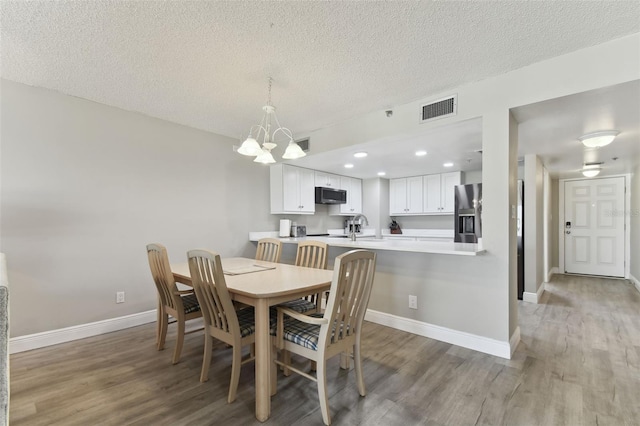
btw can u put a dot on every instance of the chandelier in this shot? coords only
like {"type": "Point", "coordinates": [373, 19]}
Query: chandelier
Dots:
{"type": "Point", "coordinates": [262, 151]}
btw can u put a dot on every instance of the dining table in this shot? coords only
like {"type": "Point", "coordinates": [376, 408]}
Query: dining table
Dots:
{"type": "Point", "coordinates": [263, 284]}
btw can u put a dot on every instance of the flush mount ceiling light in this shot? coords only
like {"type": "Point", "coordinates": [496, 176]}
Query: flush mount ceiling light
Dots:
{"type": "Point", "coordinates": [348, 166]}
{"type": "Point", "coordinates": [591, 172]}
{"type": "Point", "coordinates": [360, 154]}
{"type": "Point", "coordinates": [381, 173]}
{"type": "Point", "coordinates": [262, 152]}
{"type": "Point", "coordinates": [598, 139]}
{"type": "Point", "coordinates": [448, 164]}
{"type": "Point", "coordinates": [591, 169]}
{"type": "Point", "coordinates": [421, 153]}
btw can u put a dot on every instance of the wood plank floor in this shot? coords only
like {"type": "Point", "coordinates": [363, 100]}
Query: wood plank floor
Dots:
{"type": "Point", "coordinates": [578, 364]}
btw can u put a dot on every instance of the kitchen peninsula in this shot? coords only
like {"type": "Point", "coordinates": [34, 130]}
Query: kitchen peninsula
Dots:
{"type": "Point", "coordinates": [452, 305]}
{"type": "Point", "coordinates": [433, 247]}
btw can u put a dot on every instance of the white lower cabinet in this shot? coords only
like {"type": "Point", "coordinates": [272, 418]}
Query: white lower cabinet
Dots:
{"type": "Point", "coordinates": [292, 190]}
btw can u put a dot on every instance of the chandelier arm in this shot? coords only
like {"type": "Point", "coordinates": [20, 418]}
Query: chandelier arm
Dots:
{"type": "Point", "coordinates": [284, 130]}
{"type": "Point", "coordinates": [259, 127]}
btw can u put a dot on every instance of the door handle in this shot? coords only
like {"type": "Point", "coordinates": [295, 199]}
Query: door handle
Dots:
{"type": "Point", "coordinates": [568, 232]}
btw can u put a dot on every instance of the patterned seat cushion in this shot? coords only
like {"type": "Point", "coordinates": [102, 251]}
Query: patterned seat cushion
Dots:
{"type": "Point", "coordinates": [299, 305]}
{"type": "Point", "coordinates": [247, 321]}
{"type": "Point", "coordinates": [190, 303]}
{"type": "Point", "coordinates": [302, 333]}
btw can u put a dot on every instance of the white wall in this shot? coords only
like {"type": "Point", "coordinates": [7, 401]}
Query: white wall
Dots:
{"type": "Point", "coordinates": [555, 225]}
{"type": "Point", "coordinates": [85, 187]}
{"type": "Point", "coordinates": [534, 274]}
{"type": "Point", "coordinates": [635, 224]}
{"type": "Point", "coordinates": [547, 218]}
{"type": "Point", "coordinates": [375, 203]}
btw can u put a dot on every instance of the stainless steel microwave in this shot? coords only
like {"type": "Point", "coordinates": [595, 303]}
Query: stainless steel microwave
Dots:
{"type": "Point", "coordinates": [330, 195]}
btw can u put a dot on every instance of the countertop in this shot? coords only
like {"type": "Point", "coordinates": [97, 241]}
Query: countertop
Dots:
{"type": "Point", "coordinates": [434, 247]}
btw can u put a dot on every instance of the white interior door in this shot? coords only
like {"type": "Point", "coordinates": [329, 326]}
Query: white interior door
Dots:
{"type": "Point", "coordinates": [594, 227]}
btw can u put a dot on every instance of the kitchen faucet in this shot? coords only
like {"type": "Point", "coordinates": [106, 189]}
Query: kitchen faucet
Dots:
{"type": "Point", "coordinates": [352, 231]}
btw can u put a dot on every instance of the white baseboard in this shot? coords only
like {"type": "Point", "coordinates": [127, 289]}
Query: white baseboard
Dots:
{"type": "Point", "coordinates": [534, 297]}
{"type": "Point", "coordinates": [551, 273]}
{"type": "Point", "coordinates": [635, 281]}
{"type": "Point", "coordinates": [76, 332]}
{"type": "Point", "coordinates": [458, 338]}
{"type": "Point", "coordinates": [515, 339]}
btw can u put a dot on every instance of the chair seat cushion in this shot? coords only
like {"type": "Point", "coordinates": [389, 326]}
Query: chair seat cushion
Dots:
{"type": "Point", "coordinates": [190, 303]}
{"type": "Point", "coordinates": [299, 305]}
{"type": "Point", "coordinates": [247, 322]}
{"type": "Point", "coordinates": [301, 333]}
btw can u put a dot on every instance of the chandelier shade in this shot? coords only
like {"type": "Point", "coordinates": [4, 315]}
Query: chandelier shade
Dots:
{"type": "Point", "coordinates": [262, 139]}
{"type": "Point", "coordinates": [250, 147]}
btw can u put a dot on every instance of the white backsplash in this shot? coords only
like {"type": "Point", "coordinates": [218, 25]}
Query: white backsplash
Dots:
{"type": "Point", "coordinates": [316, 224]}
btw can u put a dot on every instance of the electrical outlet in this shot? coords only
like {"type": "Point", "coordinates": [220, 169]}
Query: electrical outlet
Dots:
{"type": "Point", "coordinates": [413, 302]}
{"type": "Point", "coordinates": [120, 297]}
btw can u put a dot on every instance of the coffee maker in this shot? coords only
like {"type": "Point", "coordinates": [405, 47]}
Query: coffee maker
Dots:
{"type": "Point", "coordinates": [357, 226]}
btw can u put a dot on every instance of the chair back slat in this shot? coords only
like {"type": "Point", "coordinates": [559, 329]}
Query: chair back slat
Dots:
{"type": "Point", "coordinates": [269, 250]}
{"type": "Point", "coordinates": [349, 295]}
{"type": "Point", "coordinates": [312, 254]}
{"type": "Point", "coordinates": [162, 275]}
{"type": "Point", "coordinates": [211, 290]}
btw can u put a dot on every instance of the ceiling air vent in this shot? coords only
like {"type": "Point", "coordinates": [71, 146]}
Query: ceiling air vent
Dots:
{"type": "Point", "coordinates": [304, 144]}
{"type": "Point", "coordinates": [440, 108]}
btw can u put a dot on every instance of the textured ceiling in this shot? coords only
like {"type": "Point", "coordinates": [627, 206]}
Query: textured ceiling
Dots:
{"type": "Point", "coordinates": [205, 64]}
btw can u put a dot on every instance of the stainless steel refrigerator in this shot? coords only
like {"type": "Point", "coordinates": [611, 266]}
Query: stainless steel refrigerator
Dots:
{"type": "Point", "coordinates": [468, 213]}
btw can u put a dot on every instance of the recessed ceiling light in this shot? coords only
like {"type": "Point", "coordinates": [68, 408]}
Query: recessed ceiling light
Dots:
{"type": "Point", "coordinates": [360, 154]}
{"type": "Point", "coordinates": [381, 173]}
{"type": "Point", "coordinates": [421, 153]}
{"type": "Point", "coordinates": [348, 166]}
{"type": "Point", "coordinates": [448, 164]}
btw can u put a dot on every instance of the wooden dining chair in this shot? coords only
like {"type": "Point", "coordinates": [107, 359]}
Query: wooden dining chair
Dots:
{"type": "Point", "coordinates": [180, 304]}
{"type": "Point", "coordinates": [221, 320]}
{"type": "Point", "coordinates": [310, 254]}
{"type": "Point", "coordinates": [269, 250]}
{"type": "Point", "coordinates": [319, 337]}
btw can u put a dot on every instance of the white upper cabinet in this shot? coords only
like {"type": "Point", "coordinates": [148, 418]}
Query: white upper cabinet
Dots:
{"type": "Point", "coordinates": [353, 205]}
{"type": "Point", "coordinates": [439, 192]}
{"type": "Point", "coordinates": [292, 190]}
{"type": "Point", "coordinates": [405, 196]}
{"type": "Point", "coordinates": [327, 180]}
{"type": "Point", "coordinates": [423, 195]}
{"type": "Point", "coordinates": [449, 182]}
